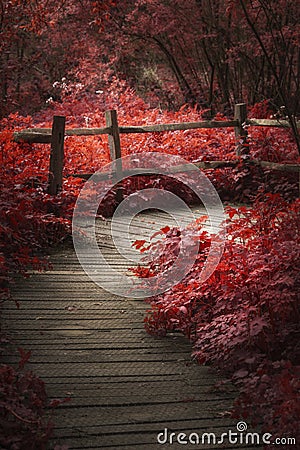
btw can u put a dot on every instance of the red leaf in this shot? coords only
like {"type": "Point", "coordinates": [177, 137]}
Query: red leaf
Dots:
{"type": "Point", "coordinates": [139, 243]}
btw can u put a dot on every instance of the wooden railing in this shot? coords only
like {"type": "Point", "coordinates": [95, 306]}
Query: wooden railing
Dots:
{"type": "Point", "coordinates": [55, 137]}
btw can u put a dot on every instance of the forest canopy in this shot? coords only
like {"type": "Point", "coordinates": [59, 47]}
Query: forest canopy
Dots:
{"type": "Point", "coordinates": [207, 53]}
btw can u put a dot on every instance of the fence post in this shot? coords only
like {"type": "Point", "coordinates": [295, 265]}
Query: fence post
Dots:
{"type": "Point", "coordinates": [240, 114]}
{"type": "Point", "coordinates": [57, 155]}
{"type": "Point", "coordinates": [115, 147]}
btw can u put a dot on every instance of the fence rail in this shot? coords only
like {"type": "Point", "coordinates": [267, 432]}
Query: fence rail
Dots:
{"type": "Point", "coordinates": [55, 137]}
{"type": "Point", "coordinates": [43, 135]}
{"type": "Point", "coordinates": [280, 123]}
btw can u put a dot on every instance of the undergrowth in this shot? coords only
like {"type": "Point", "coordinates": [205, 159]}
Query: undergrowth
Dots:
{"type": "Point", "coordinates": [245, 318]}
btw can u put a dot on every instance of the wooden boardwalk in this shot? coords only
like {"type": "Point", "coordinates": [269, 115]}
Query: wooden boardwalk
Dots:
{"type": "Point", "coordinates": [125, 385]}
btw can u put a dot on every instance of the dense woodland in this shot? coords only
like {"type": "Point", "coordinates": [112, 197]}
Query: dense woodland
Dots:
{"type": "Point", "coordinates": [163, 61]}
{"type": "Point", "coordinates": [207, 53]}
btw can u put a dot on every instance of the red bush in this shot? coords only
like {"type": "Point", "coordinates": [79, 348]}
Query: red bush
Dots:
{"type": "Point", "coordinates": [245, 317]}
{"type": "Point", "coordinates": [23, 402]}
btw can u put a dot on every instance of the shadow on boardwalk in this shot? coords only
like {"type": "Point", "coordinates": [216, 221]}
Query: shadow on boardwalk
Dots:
{"type": "Point", "coordinates": [125, 385]}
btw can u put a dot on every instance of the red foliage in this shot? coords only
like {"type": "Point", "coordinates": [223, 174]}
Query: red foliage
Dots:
{"type": "Point", "coordinates": [31, 220]}
{"type": "Point", "coordinates": [88, 154]}
{"type": "Point", "coordinates": [245, 317]}
{"type": "Point", "coordinates": [23, 402]}
{"type": "Point", "coordinates": [40, 43]}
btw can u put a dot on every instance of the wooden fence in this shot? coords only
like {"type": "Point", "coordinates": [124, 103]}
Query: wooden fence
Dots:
{"type": "Point", "coordinates": [55, 137]}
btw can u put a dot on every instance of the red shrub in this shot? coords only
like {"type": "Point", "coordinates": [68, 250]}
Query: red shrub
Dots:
{"type": "Point", "coordinates": [245, 317]}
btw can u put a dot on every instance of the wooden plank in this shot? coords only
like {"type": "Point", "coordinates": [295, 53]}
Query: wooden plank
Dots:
{"type": "Point", "coordinates": [75, 344]}
{"type": "Point", "coordinates": [113, 354]}
{"type": "Point", "coordinates": [74, 324]}
{"type": "Point", "coordinates": [131, 370]}
{"type": "Point", "coordinates": [88, 131]}
{"type": "Point", "coordinates": [82, 300]}
{"type": "Point", "coordinates": [178, 126]}
{"type": "Point", "coordinates": [116, 391]}
{"type": "Point", "coordinates": [95, 443]}
{"type": "Point", "coordinates": [32, 137]}
{"type": "Point", "coordinates": [38, 130]}
{"type": "Point", "coordinates": [79, 313]}
{"type": "Point", "coordinates": [278, 123]}
{"type": "Point", "coordinates": [96, 356]}
{"type": "Point", "coordinates": [201, 423]}
{"type": "Point", "coordinates": [59, 341]}
{"type": "Point", "coordinates": [283, 167]}
{"type": "Point", "coordinates": [94, 400]}
{"type": "Point", "coordinates": [97, 400]}
{"type": "Point", "coordinates": [146, 435]}
{"type": "Point", "coordinates": [140, 413]}
{"type": "Point", "coordinates": [132, 399]}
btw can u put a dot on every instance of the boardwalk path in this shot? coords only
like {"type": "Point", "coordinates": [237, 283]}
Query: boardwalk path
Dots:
{"type": "Point", "coordinates": [125, 385]}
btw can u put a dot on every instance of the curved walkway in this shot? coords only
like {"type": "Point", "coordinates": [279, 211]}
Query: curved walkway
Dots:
{"type": "Point", "coordinates": [126, 386]}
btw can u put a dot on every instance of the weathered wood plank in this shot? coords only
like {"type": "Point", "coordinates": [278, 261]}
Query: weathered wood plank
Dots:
{"type": "Point", "coordinates": [279, 123]}
{"type": "Point", "coordinates": [284, 167]}
{"type": "Point", "coordinates": [145, 388]}
{"type": "Point", "coordinates": [153, 426]}
{"type": "Point", "coordinates": [32, 137]}
{"type": "Point", "coordinates": [178, 126]}
{"type": "Point", "coordinates": [88, 131]}
{"type": "Point", "coordinates": [113, 369]}
{"type": "Point", "coordinates": [141, 413]}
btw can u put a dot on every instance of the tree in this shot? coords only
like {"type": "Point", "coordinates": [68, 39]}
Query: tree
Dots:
{"type": "Point", "coordinates": [280, 46]}
{"type": "Point", "coordinates": [41, 41]}
{"type": "Point", "coordinates": [207, 53]}
{"type": "Point", "coordinates": [218, 52]}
